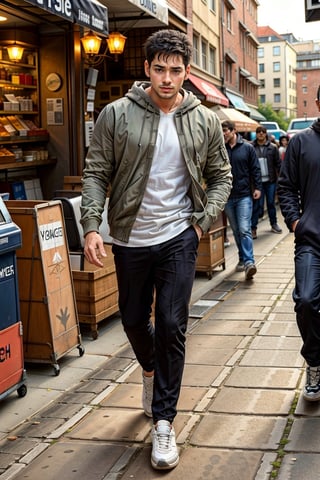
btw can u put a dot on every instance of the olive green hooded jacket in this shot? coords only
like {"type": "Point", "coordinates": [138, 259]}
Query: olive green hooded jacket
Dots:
{"type": "Point", "coordinates": [120, 157]}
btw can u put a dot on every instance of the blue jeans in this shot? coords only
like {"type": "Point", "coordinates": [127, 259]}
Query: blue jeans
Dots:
{"type": "Point", "coordinates": [269, 192]}
{"type": "Point", "coordinates": [164, 272]}
{"type": "Point", "coordinates": [239, 212]}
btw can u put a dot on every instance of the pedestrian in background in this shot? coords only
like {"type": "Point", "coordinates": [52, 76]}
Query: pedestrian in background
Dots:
{"type": "Point", "coordinates": [270, 163]}
{"type": "Point", "coordinates": [283, 143]}
{"type": "Point", "coordinates": [299, 196]}
{"type": "Point", "coordinates": [246, 186]}
{"type": "Point", "coordinates": [164, 156]}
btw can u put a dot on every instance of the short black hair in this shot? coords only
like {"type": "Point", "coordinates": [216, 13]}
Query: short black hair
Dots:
{"type": "Point", "coordinates": [228, 124]}
{"type": "Point", "coordinates": [168, 42]}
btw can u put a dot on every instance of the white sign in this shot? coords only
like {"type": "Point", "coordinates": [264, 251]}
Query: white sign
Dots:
{"type": "Point", "coordinates": [51, 235]}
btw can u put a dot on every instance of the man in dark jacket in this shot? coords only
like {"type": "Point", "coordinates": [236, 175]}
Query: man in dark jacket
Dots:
{"type": "Point", "coordinates": [246, 177]}
{"type": "Point", "coordinates": [270, 163]}
{"type": "Point", "coordinates": [299, 196]}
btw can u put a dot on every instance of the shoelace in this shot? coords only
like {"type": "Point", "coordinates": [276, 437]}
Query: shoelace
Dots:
{"type": "Point", "coordinates": [163, 440]}
{"type": "Point", "coordinates": [313, 376]}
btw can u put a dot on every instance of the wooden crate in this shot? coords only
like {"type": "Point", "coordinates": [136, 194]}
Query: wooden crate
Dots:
{"type": "Point", "coordinates": [211, 252]}
{"type": "Point", "coordinates": [96, 292]}
{"type": "Point", "coordinates": [46, 295]}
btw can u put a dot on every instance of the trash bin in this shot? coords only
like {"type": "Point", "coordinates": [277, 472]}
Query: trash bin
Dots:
{"type": "Point", "coordinates": [47, 301]}
{"type": "Point", "coordinates": [12, 372]}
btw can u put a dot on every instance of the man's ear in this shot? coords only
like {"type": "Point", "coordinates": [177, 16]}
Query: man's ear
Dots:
{"type": "Point", "coordinates": [146, 68]}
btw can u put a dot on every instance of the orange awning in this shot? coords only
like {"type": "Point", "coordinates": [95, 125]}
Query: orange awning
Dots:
{"type": "Point", "coordinates": [210, 92]}
{"type": "Point", "coordinates": [241, 121]}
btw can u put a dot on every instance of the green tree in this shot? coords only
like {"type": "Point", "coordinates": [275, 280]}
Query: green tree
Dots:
{"type": "Point", "coordinates": [267, 111]}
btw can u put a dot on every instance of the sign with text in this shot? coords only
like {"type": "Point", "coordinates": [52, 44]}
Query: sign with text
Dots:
{"type": "Point", "coordinates": [312, 10]}
{"type": "Point", "coordinates": [88, 13]}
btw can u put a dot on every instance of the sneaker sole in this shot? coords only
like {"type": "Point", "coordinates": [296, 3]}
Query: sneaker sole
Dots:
{"type": "Point", "coordinates": [164, 465]}
{"type": "Point", "coordinates": [250, 274]}
{"type": "Point", "coordinates": [311, 397]}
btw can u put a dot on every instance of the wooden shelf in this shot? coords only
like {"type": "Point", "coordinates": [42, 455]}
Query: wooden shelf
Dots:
{"type": "Point", "coordinates": [23, 165]}
{"type": "Point", "coordinates": [28, 139]}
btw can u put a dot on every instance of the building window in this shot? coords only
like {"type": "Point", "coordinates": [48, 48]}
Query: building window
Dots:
{"type": "Point", "coordinates": [204, 55]}
{"type": "Point", "coordinates": [228, 19]}
{"type": "Point", "coordinates": [195, 54]}
{"type": "Point", "coordinates": [261, 52]}
{"type": "Point", "coordinates": [261, 67]}
{"type": "Point", "coordinates": [305, 103]}
{"type": "Point", "coordinates": [212, 60]}
{"type": "Point", "coordinates": [212, 5]}
{"type": "Point", "coordinates": [304, 89]}
{"type": "Point", "coordinates": [276, 66]}
{"type": "Point", "coordinates": [262, 83]}
{"type": "Point", "coordinates": [276, 82]}
{"type": "Point", "coordinates": [262, 98]}
{"type": "Point", "coordinates": [228, 72]}
{"type": "Point", "coordinates": [304, 76]}
{"type": "Point", "coordinates": [277, 98]}
{"type": "Point", "coordinates": [276, 51]}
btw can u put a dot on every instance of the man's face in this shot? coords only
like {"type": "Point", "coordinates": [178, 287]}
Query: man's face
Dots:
{"type": "Point", "coordinates": [261, 135]}
{"type": "Point", "coordinates": [228, 134]}
{"type": "Point", "coordinates": [167, 74]}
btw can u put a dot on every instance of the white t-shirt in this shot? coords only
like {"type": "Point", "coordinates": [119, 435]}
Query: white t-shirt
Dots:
{"type": "Point", "coordinates": [166, 209]}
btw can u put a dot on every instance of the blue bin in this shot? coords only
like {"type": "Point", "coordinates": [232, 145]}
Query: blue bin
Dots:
{"type": "Point", "coordinates": [10, 240]}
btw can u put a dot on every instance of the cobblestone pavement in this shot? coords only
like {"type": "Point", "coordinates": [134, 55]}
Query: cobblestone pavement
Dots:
{"type": "Point", "coordinates": [240, 413]}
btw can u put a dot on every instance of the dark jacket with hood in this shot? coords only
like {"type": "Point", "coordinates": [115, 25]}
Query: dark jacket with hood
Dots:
{"type": "Point", "coordinates": [245, 168]}
{"type": "Point", "coordinates": [299, 185]}
{"type": "Point", "coordinates": [271, 153]}
{"type": "Point", "coordinates": [121, 153]}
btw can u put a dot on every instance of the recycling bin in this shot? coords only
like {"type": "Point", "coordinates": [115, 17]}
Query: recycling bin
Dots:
{"type": "Point", "coordinates": [12, 372]}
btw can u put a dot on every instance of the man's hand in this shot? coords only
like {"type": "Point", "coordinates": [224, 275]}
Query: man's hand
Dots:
{"type": "Point", "coordinates": [198, 230]}
{"type": "Point", "coordinates": [94, 248]}
{"type": "Point", "coordinates": [256, 194]}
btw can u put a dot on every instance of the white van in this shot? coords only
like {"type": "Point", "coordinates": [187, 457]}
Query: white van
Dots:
{"type": "Point", "coordinates": [297, 124]}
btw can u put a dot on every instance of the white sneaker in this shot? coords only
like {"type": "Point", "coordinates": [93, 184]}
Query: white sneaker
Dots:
{"type": "Point", "coordinates": [147, 394]}
{"type": "Point", "coordinates": [164, 449]}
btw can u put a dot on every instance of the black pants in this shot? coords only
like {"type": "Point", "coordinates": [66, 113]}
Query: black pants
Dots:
{"type": "Point", "coordinates": [166, 271]}
{"type": "Point", "coordinates": [306, 296]}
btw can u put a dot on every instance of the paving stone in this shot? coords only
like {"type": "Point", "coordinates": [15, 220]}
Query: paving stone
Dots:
{"type": "Point", "coordinates": [200, 376]}
{"type": "Point", "coordinates": [263, 377]}
{"type": "Point", "coordinates": [67, 460]}
{"type": "Point", "coordinates": [282, 342]}
{"type": "Point", "coordinates": [304, 436]}
{"type": "Point", "coordinates": [238, 431]}
{"type": "Point", "coordinates": [199, 464]}
{"type": "Point", "coordinates": [77, 398]}
{"type": "Point", "coordinates": [252, 401]}
{"type": "Point", "coordinates": [235, 315]}
{"type": "Point", "coordinates": [19, 446]}
{"type": "Point", "coordinates": [190, 397]}
{"type": "Point", "coordinates": [271, 358]}
{"type": "Point", "coordinates": [117, 424]}
{"type": "Point", "coordinates": [288, 329]}
{"type": "Point", "coordinates": [213, 341]}
{"type": "Point", "coordinates": [299, 466]}
{"type": "Point", "coordinates": [124, 395]}
{"type": "Point", "coordinates": [305, 408]}
{"type": "Point", "coordinates": [61, 410]}
{"type": "Point", "coordinates": [7, 459]}
{"type": "Point", "coordinates": [226, 327]}
{"type": "Point", "coordinates": [208, 356]}
{"type": "Point", "coordinates": [94, 386]}
{"type": "Point", "coordinates": [38, 427]}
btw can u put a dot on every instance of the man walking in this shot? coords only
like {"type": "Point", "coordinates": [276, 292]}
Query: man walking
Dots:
{"type": "Point", "coordinates": [246, 179]}
{"type": "Point", "coordinates": [156, 147]}
{"type": "Point", "coordinates": [299, 197]}
{"type": "Point", "coordinates": [270, 163]}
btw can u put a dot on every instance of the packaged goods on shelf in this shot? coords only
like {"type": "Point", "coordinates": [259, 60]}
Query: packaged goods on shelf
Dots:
{"type": "Point", "coordinates": [19, 125]}
{"type": "Point", "coordinates": [3, 131]}
{"type": "Point", "coordinates": [6, 156]}
{"type": "Point", "coordinates": [8, 126]}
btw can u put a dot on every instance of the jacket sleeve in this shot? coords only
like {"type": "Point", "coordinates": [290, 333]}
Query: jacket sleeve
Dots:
{"type": "Point", "coordinates": [288, 186]}
{"type": "Point", "coordinates": [254, 166]}
{"type": "Point", "coordinates": [218, 179]}
{"type": "Point", "coordinates": [97, 173]}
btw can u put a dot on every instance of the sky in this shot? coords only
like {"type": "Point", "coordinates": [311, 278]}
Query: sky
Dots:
{"type": "Point", "coordinates": [287, 16]}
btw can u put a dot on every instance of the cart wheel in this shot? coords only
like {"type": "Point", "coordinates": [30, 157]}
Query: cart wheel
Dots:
{"type": "Point", "coordinates": [209, 275]}
{"type": "Point", "coordinates": [94, 334]}
{"type": "Point", "coordinates": [22, 391]}
{"type": "Point", "coordinates": [56, 369]}
{"type": "Point", "coordinates": [81, 350]}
